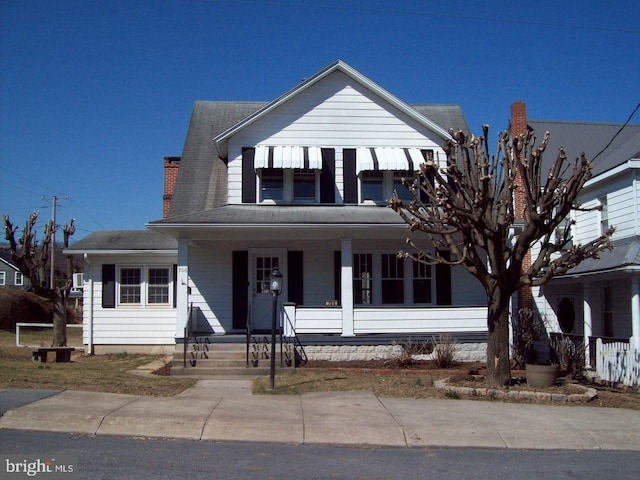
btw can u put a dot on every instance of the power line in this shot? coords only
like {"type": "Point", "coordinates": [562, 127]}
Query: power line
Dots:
{"type": "Point", "coordinates": [618, 132]}
{"type": "Point", "coordinates": [388, 11]}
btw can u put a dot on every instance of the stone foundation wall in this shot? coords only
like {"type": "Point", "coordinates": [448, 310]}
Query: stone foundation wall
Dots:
{"type": "Point", "coordinates": [466, 352]}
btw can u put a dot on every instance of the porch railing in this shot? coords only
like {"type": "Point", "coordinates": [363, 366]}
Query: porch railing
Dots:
{"type": "Point", "coordinates": [618, 362]}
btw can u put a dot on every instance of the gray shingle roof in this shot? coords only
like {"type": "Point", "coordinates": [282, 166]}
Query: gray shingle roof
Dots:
{"type": "Point", "coordinates": [201, 182]}
{"type": "Point", "coordinates": [287, 215]}
{"type": "Point", "coordinates": [123, 240]}
{"type": "Point", "coordinates": [590, 138]}
{"type": "Point", "coordinates": [625, 254]}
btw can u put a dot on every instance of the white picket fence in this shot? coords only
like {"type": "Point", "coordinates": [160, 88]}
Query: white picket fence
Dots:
{"type": "Point", "coordinates": [618, 363]}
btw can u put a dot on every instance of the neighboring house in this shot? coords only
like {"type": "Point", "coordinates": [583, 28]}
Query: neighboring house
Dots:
{"type": "Point", "coordinates": [10, 275]}
{"type": "Point", "coordinates": [598, 298]}
{"type": "Point", "coordinates": [299, 183]}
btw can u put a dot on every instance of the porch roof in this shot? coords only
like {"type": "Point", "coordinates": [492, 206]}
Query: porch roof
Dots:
{"type": "Point", "coordinates": [124, 241]}
{"type": "Point", "coordinates": [271, 221]}
{"type": "Point", "coordinates": [624, 257]}
{"type": "Point", "coordinates": [274, 215]}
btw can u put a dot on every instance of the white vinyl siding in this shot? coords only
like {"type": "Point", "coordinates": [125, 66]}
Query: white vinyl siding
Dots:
{"type": "Point", "coordinates": [336, 113]}
{"type": "Point", "coordinates": [126, 324]}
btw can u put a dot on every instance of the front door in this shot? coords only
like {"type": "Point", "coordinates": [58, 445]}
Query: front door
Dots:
{"type": "Point", "coordinates": [263, 261]}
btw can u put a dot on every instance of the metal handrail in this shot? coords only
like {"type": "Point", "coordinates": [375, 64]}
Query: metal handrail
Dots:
{"type": "Point", "coordinates": [249, 332]}
{"type": "Point", "coordinates": [188, 330]}
{"type": "Point", "coordinates": [297, 344]}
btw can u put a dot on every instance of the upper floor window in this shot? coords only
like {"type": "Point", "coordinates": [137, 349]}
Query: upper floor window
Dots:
{"type": "Point", "coordinates": [604, 215]}
{"type": "Point", "coordinates": [293, 185]}
{"type": "Point", "coordinates": [19, 279]}
{"type": "Point", "coordinates": [3, 278]}
{"type": "Point", "coordinates": [381, 171]}
{"type": "Point", "coordinates": [272, 184]}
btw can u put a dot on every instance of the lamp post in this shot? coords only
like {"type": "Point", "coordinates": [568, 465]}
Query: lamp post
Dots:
{"type": "Point", "coordinates": [275, 285]}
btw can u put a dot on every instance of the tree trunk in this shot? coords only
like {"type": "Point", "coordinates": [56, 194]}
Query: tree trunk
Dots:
{"type": "Point", "coordinates": [498, 365]}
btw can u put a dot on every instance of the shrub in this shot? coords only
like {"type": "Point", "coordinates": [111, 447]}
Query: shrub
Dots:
{"type": "Point", "coordinates": [445, 348]}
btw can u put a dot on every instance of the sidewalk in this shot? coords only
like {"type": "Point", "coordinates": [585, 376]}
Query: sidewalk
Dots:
{"type": "Point", "coordinates": [225, 410]}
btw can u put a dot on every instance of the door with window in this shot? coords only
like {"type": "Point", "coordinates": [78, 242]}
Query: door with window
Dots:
{"type": "Point", "coordinates": [262, 262]}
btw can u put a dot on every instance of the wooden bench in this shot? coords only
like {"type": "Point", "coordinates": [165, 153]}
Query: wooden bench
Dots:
{"type": "Point", "coordinates": [63, 354]}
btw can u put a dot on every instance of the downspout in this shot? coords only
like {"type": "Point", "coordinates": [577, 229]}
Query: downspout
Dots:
{"type": "Point", "coordinates": [90, 309]}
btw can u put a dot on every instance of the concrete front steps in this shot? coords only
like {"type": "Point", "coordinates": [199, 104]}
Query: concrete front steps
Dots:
{"type": "Point", "coordinates": [228, 359]}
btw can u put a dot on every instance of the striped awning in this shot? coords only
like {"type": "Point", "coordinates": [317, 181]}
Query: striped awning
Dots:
{"type": "Point", "coordinates": [387, 158]}
{"type": "Point", "coordinates": [287, 156]}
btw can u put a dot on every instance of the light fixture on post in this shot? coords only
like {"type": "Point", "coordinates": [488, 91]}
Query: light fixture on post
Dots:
{"type": "Point", "coordinates": [275, 285]}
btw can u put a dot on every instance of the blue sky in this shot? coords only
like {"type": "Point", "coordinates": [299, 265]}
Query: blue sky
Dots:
{"type": "Point", "coordinates": [93, 94]}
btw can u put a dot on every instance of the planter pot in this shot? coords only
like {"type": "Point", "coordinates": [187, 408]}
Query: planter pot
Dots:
{"type": "Point", "coordinates": [541, 375]}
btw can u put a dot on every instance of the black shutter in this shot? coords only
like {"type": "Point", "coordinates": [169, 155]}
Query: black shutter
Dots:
{"type": "Point", "coordinates": [108, 286]}
{"type": "Point", "coordinates": [175, 285]}
{"type": "Point", "coordinates": [350, 178]}
{"type": "Point", "coordinates": [240, 286]}
{"type": "Point", "coordinates": [248, 176]}
{"type": "Point", "coordinates": [443, 281]}
{"type": "Point", "coordinates": [337, 275]}
{"type": "Point", "coordinates": [328, 176]}
{"type": "Point", "coordinates": [296, 277]}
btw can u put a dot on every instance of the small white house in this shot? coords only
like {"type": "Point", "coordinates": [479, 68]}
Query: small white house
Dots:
{"type": "Point", "coordinates": [299, 183]}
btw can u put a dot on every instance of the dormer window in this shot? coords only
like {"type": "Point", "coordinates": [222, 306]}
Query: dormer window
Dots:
{"type": "Point", "coordinates": [381, 171]}
{"type": "Point", "coordinates": [272, 184]}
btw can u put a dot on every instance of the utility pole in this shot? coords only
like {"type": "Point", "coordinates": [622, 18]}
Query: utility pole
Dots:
{"type": "Point", "coordinates": [53, 201]}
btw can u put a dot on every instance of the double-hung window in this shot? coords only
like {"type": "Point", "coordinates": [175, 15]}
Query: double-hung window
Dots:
{"type": "Point", "coordinates": [130, 283]}
{"type": "Point", "coordinates": [422, 282]}
{"type": "Point", "coordinates": [381, 171]}
{"type": "Point", "coordinates": [3, 278]}
{"type": "Point", "coordinates": [19, 279]}
{"type": "Point", "coordinates": [158, 285]}
{"type": "Point", "coordinates": [139, 286]}
{"type": "Point", "coordinates": [392, 279]}
{"type": "Point", "coordinates": [363, 278]}
{"type": "Point", "coordinates": [272, 184]}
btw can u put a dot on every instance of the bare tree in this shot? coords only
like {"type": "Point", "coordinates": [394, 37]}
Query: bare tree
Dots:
{"type": "Point", "coordinates": [31, 260]}
{"type": "Point", "coordinates": [469, 210]}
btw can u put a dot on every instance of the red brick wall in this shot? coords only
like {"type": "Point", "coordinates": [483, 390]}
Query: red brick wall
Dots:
{"type": "Point", "coordinates": [519, 127]}
{"type": "Point", "coordinates": [171, 166]}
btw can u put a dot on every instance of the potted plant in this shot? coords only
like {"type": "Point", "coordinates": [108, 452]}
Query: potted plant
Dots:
{"type": "Point", "coordinates": [527, 329]}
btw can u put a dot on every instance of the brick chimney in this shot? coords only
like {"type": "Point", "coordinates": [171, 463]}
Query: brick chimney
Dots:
{"type": "Point", "coordinates": [519, 127]}
{"type": "Point", "coordinates": [171, 166]}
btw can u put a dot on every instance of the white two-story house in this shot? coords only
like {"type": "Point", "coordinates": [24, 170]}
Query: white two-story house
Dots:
{"type": "Point", "coordinates": [299, 183]}
{"type": "Point", "coordinates": [600, 298]}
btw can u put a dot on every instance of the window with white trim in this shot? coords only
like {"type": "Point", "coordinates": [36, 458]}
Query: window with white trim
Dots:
{"type": "Point", "coordinates": [381, 171]}
{"type": "Point", "coordinates": [392, 281]}
{"type": "Point", "coordinates": [381, 278]}
{"type": "Point", "coordinates": [362, 278]}
{"type": "Point", "coordinates": [19, 279]}
{"type": "Point", "coordinates": [3, 278]}
{"type": "Point", "coordinates": [158, 285]}
{"type": "Point", "coordinates": [604, 215]}
{"type": "Point", "coordinates": [289, 185]}
{"type": "Point", "coordinates": [422, 283]}
{"type": "Point", "coordinates": [130, 285]}
{"type": "Point", "coordinates": [139, 285]}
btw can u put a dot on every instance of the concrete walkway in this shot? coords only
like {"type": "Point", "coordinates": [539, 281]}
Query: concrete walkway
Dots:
{"type": "Point", "coordinates": [225, 410]}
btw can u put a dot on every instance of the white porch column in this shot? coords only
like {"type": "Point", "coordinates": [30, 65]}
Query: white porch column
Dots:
{"type": "Point", "coordinates": [346, 280]}
{"type": "Point", "coordinates": [588, 327]}
{"type": "Point", "coordinates": [182, 287]}
{"type": "Point", "coordinates": [635, 311]}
